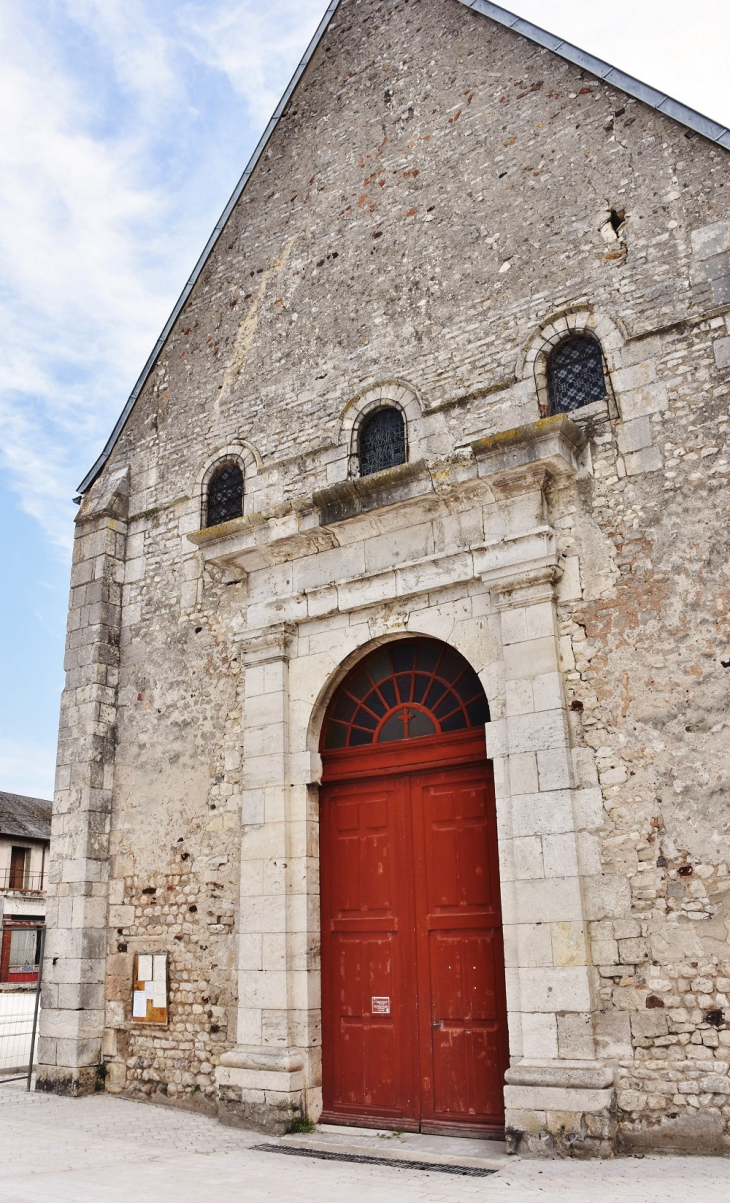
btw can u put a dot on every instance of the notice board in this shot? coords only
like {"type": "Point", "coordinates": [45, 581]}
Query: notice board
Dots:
{"type": "Point", "coordinates": [149, 989]}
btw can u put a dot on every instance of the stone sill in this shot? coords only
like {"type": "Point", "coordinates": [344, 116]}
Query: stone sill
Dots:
{"type": "Point", "coordinates": [360, 494]}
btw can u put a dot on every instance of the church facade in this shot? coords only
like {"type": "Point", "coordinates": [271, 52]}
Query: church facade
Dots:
{"type": "Point", "coordinates": [393, 765]}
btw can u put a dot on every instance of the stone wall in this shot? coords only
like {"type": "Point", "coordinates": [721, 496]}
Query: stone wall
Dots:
{"type": "Point", "coordinates": [442, 201]}
{"type": "Point", "coordinates": [72, 1014]}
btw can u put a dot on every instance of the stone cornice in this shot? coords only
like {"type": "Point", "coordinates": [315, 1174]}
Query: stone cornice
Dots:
{"type": "Point", "coordinates": [505, 464]}
{"type": "Point", "coordinates": [554, 444]}
{"type": "Point", "coordinates": [108, 499]}
{"type": "Point", "coordinates": [361, 494]}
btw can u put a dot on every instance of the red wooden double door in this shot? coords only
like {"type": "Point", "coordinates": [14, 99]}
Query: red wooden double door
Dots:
{"type": "Point", "coordinates": [413, 1008]}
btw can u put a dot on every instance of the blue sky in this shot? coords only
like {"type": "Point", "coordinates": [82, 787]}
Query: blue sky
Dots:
{"type": "Point", "coordinates": [125, 126]}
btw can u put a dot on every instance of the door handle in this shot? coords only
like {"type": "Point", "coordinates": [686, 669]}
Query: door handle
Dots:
{"type": "Point", "coordinates": [437, 1023]}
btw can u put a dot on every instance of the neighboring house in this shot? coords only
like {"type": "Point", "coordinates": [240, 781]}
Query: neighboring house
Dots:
{"type": "Point", "coordinates": [25, 834]}
{"type": "Point", "coordinates": [393, 760]}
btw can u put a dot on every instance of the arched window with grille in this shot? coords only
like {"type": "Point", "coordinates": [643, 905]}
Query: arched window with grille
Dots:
{"type": "Point", "coordinates": [382, 442]}
{"type": "Point", "coordinates": [575, 374]}
{"type": "Point", "coordinates": [225, 495]}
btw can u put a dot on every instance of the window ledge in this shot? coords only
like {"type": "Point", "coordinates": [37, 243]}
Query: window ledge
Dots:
{"type": "Point", "coordinates": [362, 493]}
{"type": "Point", "coordinates": [597, 411]}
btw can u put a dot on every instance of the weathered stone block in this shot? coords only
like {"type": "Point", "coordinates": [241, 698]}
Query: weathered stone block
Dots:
{"type": "Point", "coordinates": [721, 350]}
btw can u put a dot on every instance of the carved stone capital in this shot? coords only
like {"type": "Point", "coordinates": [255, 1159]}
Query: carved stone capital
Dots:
{"type": "Point", "coordinates": [267, 644]}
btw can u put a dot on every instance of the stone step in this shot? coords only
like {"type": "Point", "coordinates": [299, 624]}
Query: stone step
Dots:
{"type": "Point", "coordinates": [448, 1153]}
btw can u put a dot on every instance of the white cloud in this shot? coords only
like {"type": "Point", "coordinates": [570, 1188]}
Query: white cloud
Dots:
{"type": "Point", "coordinates": [110, 180]}
{"type": "Point", "coordinates": [257, 47]}
{"type": "Point", "coordinates": [78, 302]}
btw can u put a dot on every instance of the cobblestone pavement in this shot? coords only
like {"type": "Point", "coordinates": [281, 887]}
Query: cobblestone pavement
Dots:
{"type": "Point", "coordinates": [105, 1150]}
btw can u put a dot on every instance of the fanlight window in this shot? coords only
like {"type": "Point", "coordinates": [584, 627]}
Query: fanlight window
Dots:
{"type": "Point", "coordinates": [382, 441]}
{"type": "Point", "coordinates": [575, 374]}
{"type": "Point", "coordinates": [225, 495]}
{"type": "Point", "coordinates": [407, 690]}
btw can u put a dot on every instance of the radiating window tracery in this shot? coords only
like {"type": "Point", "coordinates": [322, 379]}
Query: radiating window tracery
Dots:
{"type": "Point", "coordinates": [406, 690]}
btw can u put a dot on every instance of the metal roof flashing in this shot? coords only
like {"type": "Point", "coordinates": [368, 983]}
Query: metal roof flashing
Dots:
{"type": "Point", "coordinates": [693, 120]}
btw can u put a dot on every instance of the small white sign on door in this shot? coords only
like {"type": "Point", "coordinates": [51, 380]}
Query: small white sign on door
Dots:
{"type": "Point", "coordinates": [380, 1006]}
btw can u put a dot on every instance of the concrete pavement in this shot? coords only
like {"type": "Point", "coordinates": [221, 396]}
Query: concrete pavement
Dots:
{"type": "Point", "coordinates": [109, 1150]}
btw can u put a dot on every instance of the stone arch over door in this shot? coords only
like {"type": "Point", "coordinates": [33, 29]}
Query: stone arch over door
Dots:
{"type": "Point", "coordinates": [414, 1029]}
{"type": "Point", "coordinates": [547, 809]}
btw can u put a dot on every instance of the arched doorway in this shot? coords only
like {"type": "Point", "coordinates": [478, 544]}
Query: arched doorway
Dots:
{"type": "Point", "coordinates": [414, 1027]}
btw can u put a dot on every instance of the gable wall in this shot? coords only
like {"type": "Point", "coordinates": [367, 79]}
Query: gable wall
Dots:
{"type": "Point", "coordinates": [434, 194]}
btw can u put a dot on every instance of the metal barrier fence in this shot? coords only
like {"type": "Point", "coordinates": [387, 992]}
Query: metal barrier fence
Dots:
{"type": "Point", "coordinates": [19, 1011]}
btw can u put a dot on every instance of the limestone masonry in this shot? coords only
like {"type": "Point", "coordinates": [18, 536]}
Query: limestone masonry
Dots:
{"type": "Point", "coordinates": [441, 205]}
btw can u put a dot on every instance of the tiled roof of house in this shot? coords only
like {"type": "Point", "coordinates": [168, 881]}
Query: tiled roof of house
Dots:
{"type": "Point", "coordinates": [29, 818]}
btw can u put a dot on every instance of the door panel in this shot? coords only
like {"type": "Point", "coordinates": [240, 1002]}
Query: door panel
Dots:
{"type": "Point", "coordinates": [466, 1047]}
{"type": "Point", "coordinates": [368, 1002]}
{"type": "Point", "coordinates": [463, 1050]}
{"type": "Point", "coordinates": [410, 911]}
{"type": "Point", "coordinates": [18, 858]}
{"type": "Point", "coordinates": [367, 1067]}
{"type": "Point", "coordinates": [455, 824]}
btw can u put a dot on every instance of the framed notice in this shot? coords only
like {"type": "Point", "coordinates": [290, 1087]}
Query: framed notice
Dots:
{"type": "Point", "coordinates": [149, 989]}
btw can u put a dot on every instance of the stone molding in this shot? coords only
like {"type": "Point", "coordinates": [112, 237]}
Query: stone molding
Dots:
{"type": "Point", "coordinates": [286, 1061]}
{"type": "Point", "coordinates": [242, 453]}
{"type": "Point", "coordinates": [267, 645]}
{"type": "Point", "coordinates": [396, 393]}
{"type": "Point", "coordinates": [553, 443]}
{"type": "Point", "coordinates": [578, 1076]}
{"type": "Point", "coordinates": [508, 463]}
{"type": "Point", "coordinates": [512, 565]}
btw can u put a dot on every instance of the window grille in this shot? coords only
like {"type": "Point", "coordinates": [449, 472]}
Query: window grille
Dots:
{"type": "Point", "coordinates": [575, 374]}
{"type": "Point", "coordinates": [225, 495]}
{"type": "Point", "coordinates": [410, 689]}
{"type": "Point", "coordinates": [382, 441]}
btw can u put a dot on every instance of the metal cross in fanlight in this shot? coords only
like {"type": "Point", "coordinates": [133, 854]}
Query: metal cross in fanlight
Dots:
{"type": "Point", "coordinates": [405, 717]}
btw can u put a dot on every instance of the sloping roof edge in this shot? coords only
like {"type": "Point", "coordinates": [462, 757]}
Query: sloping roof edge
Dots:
{"type": "Point", "coordinates": [604, 71]}
{"type": "Point", "coordinates": [655, 99]}
{"type": "Point", "coordinates": [91, 476]}
{"type": "Point", "coordinates": [24, 817]}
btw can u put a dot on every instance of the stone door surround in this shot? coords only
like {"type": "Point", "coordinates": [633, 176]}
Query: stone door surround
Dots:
{"type": "Point", "coordinates": [555, 1088]}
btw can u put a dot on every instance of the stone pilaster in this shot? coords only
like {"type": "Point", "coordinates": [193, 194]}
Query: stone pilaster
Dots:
{"type": "Point", "coordinates": [559, 1098]}
{"type": "Point", "coordinates": [72, 1016]}
{"type": "Point", "coordinates": [262, 1081]}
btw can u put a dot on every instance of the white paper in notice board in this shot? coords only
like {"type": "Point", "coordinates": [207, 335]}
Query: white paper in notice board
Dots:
{"type": "Point", "coordinates": [139, 1005]}
{"type": "Point", "coordinates": [159, 996]}
{"type": "Point", "coordinates": [144, 967]}
{"type": "Point", "coordinates": [159, 967]}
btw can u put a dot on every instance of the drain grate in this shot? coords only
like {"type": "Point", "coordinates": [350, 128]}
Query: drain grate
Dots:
{"type": "Point", "coordinates": [363, 1159]}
